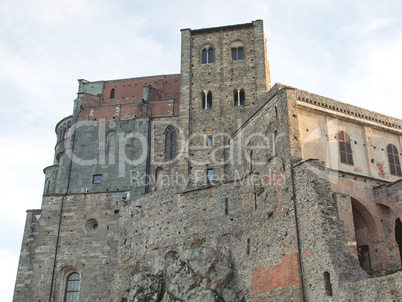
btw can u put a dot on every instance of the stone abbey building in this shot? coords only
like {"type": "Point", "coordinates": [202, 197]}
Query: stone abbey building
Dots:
{"type": "Point", "coordinates": [211, 185]}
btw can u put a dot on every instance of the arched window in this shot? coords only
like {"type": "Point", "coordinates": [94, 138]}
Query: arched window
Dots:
{"type": "Point", "coordinates": [73, 288]}
{"type": "Point", "coordinates": [112, 93]}
{"type": "Point", "coordinates": [207, 55]}
{"type": "Point", "coordinates": [239, 97]}
{"type": "Point", "coordinates": [170, 142]}
{"type": "Point", "coordinates": [206, 98]}
{"type": "Point", "coordinates": [393, 159]}
{"type": "Point", "coordinates": [345, 148]}
{"type": "Point", "coordinates": [112, 142]}
{"type": "Point", "coordinates": [237, 51]}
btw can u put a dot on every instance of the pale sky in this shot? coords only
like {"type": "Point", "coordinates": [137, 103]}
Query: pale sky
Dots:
{"type": "Point", "coordinates": [350, 51]}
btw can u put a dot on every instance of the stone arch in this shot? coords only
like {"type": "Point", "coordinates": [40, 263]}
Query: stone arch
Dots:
{"type": "Point", "coordinates": [364, 233]}
{"type": "Point", "coordinates": [60, 282]}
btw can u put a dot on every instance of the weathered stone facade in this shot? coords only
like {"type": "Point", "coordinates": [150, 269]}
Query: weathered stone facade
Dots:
{"type": "Point", "coordinates": [211, 186]}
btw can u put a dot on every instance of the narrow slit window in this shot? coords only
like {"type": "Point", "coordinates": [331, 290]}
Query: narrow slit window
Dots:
{"type": "Point", "coordinates": [112, 93]}
{"type": "Point", "coordinates": [170, 142]}
{"type": "Point", "coordinates": [112, 143]}
{"type": "Point", "coordinates": [210, 175]}
{"type": "Point", "coordinates": [276, 142]}
{"type": "Point", "coordinates": [209, 141]}
{"type": "Point", "coordinates": [251, 161]}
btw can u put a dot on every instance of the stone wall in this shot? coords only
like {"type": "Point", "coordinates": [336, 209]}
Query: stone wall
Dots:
{"type": "Point", "coordinates": [87, 244]}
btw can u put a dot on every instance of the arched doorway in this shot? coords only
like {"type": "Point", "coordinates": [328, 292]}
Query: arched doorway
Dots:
{"type": "Point", "coordinates": [365, 232]}
{"type": "Point", "coordinates": [363, 240]}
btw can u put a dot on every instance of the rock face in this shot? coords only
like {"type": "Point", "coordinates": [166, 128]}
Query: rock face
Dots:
{"type": "Point", "coordinates": [198, 275]}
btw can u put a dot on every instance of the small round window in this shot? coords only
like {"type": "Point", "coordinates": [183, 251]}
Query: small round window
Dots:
{"type": "Point", "coordinates": [92, 225]}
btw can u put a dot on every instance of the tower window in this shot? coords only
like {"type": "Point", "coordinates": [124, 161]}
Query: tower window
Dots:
{"type": "Point", "coordinates": [345, 148]}
{"type": "Point", "coordinates": [73, 288]}
{"type": "Point", "coordinates": [112, 93]}
{"type": "Point", "coordinates": [393, 159]}
{"type": "Point", "coordinates": [239, 97]}
{"type": "Point", "coordinates": [210, 175]}
{"type": "Point", "coordinates": [237, 51]}
{"type": "Point", "coordinates": [207, 55]}
{"type": "Point", "coordinates": [206, 98]}
{"type": "Point", "coordinates": [209, 141]}
{"type": "Point", "coordinates": [170, 142]}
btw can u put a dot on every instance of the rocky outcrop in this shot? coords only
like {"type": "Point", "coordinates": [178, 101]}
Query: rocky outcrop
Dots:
{"type": "Point", "coordinates": [197, 275]}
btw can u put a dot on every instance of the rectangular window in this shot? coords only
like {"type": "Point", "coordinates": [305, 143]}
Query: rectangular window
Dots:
{"type": "Point", "coordinates": [209, 141]}
{"type": "Point", "coordinates": [210, 175]}
{"type": "Point", "coordinates": [97, 179]}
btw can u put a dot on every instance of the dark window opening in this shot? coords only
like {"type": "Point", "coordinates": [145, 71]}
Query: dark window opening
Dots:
{"type": "Point", "coordinates": [209, 141]}
{"type": "Point", "coordinates": [364, 257]}
{"type": "Point", "coordinates": [345, 148]}
{"type": "Point", "coordinates": [170, 142]}
{"type": "Point", "coordinates": [112, 93]}
{"type": "Point", "coordinates": [210, 175]}
{"type": "Point", "coordinates": [251, 161]}
{"type": "Point", "coordinates": [239, 97]}
{"type": "Point", "coordinates": [248, 246]}
{"type": "Point", "coordinates": [207, 56]}
{"type": "Point", "coordinates": [226, 206]}
{"type": "Point", "coordinates": [276, 142]}
{"type": "Point", "coordinates": [206, 100]}
{"type": "Point", "coordinates": [73, 288]}
{"type": "Point", "coordinates": [97, 179]}
{"type": "Point", "coordinates": [393, 159]}
{"type": "Point", "coordinates": [237, 53]}
{"type": "Point", "coordinates": [327, 284]}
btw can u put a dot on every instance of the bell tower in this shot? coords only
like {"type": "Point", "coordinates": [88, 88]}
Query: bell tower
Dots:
{"type": "Point", "coordinates": [224, 71]}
